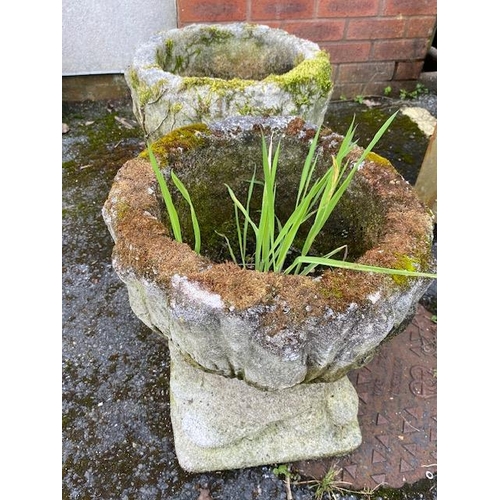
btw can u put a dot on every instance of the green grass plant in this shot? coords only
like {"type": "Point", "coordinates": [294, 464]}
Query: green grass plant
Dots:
{"type": "Point", "coordinates": [316, 199]}
{"type": "Point", "coordinates": [274, 244]}
{"type": "Point", "coordinates": [171, 210]}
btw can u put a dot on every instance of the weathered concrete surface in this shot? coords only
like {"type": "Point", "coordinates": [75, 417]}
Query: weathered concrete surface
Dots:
{"type": "Point", "coordinates": [234, 344]}
{"type": "Point", "coordinates": [203, 73]}
{"type": "Point", "coordinates": [222, 423]}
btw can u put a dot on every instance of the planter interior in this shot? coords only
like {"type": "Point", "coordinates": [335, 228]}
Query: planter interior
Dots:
{"type": "Point", "coordinates": [219, 52]}
{"type": "Point", "coordinates": [207, 169]}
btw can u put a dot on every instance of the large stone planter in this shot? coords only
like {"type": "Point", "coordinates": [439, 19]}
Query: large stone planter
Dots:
{"type": "Point", "coordinates": [259, 360]}
{"type": "Point", "coordinates": [203, 73]}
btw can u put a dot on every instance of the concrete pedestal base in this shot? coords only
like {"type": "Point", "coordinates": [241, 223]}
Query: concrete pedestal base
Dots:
{"type": "Point", "coordinates": [223, 423]}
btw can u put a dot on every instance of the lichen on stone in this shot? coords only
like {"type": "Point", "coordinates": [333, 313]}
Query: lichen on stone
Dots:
{"type": "Point", "coordinates": [379, 159]}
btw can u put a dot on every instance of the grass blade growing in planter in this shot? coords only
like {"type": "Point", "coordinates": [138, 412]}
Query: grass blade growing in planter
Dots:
{"type": "Point", "coordinates": [322, 261]}
{"type": "Point", "coordinates": [169, 204]}
{"type": "Point", "coordinates": [264, 255]}
{"type": "Point", "coordinates": [308, 169]}
{"type": "Point", "coordinates": [230, 248]}
{"type": "Point", "coordinates": [167, 197]}
{"type": "Point", "coordinates": [194, 220]}
{"type": "Point", "coordinates": [288, 233]}
{"type": "Point", "coordinates": [333, 192]}
{"type": "Point", "coordinates": [242, 237]}
{"type": "Point", "coordinates": [312, 265]}
{"type": "Point", "coordinates": [244, 211]}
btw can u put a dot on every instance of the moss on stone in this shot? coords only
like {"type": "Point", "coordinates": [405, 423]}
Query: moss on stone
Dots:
{"type": "Point", "coordinates": [212, 34]}
{"type": "Point", "coordinates": [145, 93]}
{"type": "Point", "coordinates": [175, 108]}
{"type": "Point", "coordinates": [169, 47]}
{"type": "Point", "coordinates": [247, 109]}
{"type": "Point", "coordinates": [70, 164]}
{"type": "Point", "coordinates": [420, 262]}
{"type": "Point", "coordinates": [122, 208]}
{"type": "Point", "coordinates": [317, 69]}
{"type": "Point", "coordinates": [380, 160]}
{"type": "Point", "coordinates": [184, 138]}
{"type": "Point", "coordinates": [404, 263]}
{"type": "Point", "coordinates": [164, 54]}
{"type": "Point", "coordinates": [133, 78]}
{"type": "Point", "coordinates": [218, 86]}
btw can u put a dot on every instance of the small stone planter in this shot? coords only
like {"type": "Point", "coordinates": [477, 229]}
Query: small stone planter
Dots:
{"type": "Point", "coordinates": [203, 73]}
{"type": "Point", "coordinates": [259, 360]}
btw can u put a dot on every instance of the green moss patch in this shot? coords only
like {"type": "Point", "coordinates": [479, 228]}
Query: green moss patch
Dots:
{"type": "Point", "coordinates": [182, 138]}
{"type": "Point", "coordinates": [217, 85]}
{"type": "Point", "coordinates": [318, 70]}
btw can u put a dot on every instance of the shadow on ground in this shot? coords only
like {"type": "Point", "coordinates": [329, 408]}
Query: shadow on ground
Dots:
{"type": "Point", "coordinates": [117, 438]}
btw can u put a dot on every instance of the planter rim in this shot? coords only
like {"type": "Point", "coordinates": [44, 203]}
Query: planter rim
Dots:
{"type": "Point", "coordinates": [145, 59]}
{"type": "Point", "coordinates": [132, 211]}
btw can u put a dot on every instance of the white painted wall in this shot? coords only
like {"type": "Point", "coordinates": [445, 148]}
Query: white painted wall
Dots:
{"type": "Point", "coordinates": [101, 36]}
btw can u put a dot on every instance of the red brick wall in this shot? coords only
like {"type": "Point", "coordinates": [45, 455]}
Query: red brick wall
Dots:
{"type": "Point", "coordinates": [372, 43]}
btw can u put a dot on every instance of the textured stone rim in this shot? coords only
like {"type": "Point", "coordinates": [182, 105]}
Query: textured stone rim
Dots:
{"type": "Point", "coordinates": [302, 49]}
{"type": "Point", "coordinates": [132, 211]}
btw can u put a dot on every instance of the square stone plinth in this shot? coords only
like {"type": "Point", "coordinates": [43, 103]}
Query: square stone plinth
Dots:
{"type": "Point", "coordinates": [224, 423]}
